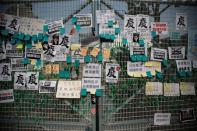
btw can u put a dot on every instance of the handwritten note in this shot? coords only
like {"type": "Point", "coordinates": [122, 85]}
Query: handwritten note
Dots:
{"type": "Point", "coordinates": [154, 88]}
{"type": "Point", "coordinates": [171, 89]}
{"type": "Point", "coordinates": [187, 88]}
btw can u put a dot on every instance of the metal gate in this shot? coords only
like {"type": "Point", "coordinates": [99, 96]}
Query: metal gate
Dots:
{"type": "Point", "coordinates": [123, 106]}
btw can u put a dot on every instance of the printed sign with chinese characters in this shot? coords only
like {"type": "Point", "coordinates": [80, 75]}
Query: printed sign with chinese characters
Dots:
{"type": "Point", "coordinates": [12, 51]}
{"type": "Point", "coordinates": [138, 50]}
{"type": "Point", "coordinates": [33, 53]}
{"type": "Point", "coordinates": [91, 84]}
{"type": "Point", "coordinates": [92, 70]}
{"type": "Point", "coordinates": [47, 86]}
{"type": "Point", "coordinates": [154, 88]}
{"type": "Point", "coordinates": [158, 54]}
{"type": "Point", "coordinates": [5, 72]}
{"type": "Point", "coordinates": [160, 27]}
{"type": "Point", "coordinates": [162, 119]}
{"type": "Point", "coordinates": [84, 20]}
{"type": "Point", "coordinates": [185, 65]}
{"type": "Point", "coordinates": [181, 21]}
{"type": "Point", "coordinates": [111, 72]}
{"type": "Point", "coordinates": [6, 96]}
{"type": "Point", "coordinates": [54, 27]}
{"type": "Point", "coordinates": [177, 52]}
{"type": "Point", "coordinates": [76, 55]}
{"type": "Point", "coordinates": [130, 24]}
{"type": "Point", "coordinates": [171, 89]}
{"type": "Point", "coordinates": [13, 23]}
{"type": "Point", "coordinates": [68, 89]}
{"type": "Point", "coordinates": [103, 16]}
{"type": "Point", "coordinates": [17, 64]}
{"type": "Point", "coordinates": [187, 88]}
{"type": "Point", "coordinates": [142, 23]}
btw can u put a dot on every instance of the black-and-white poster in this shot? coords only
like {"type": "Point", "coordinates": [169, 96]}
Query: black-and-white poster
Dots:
{"type": "Point", "coordinates": [158, 54]}
{"type": "Point", "coordinates": [47, 86]}
{"type": "Point", "coordinates": [177, 52]}
{"type": "Point", "coordinates": [92, 70]}
{"type": "Point", "coordinates": [111, 72]}
{"type": "Point", "coordinates": [142, 23]}
{"type": "Point", "coordinates": [130, 24]}
{"type": "Point", "coordinates": [17, 64]}
{"type": "Point", "coordinates": [54, 27]}
{"type": "Point", "coordinates": [6, 96]}
{"type": "Point", "coordinates": [13, 23]}
{"type": "Point", "coordinates": [91, 84]}
{"type": "Point", "coordinates": [137, 50]}
{"type": "Point", "coordinates": [20, 81]}
{"type": "Point", "coordinates": [13, 52]}
{"type": "Point", "coordinates": [184, 65]}
{"type": "Point", "coordinates": [181, 21]}
{"type": "Point", "coordinates": [33, 53]}
{"type": "Point", "coordinates": [84, 20]}
{"type": "Point", "coordinates": [2, 50]}
{"type": "Point", "coordinates": [187, 115]}
{"type": "Point", "coordinates": [5, 72]}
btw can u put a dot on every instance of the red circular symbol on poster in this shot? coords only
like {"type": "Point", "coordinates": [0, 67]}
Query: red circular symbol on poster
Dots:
{"type": "Point", "coordinates": [93, 110]}
{"type": "Point", "coordinates": [118, 68]}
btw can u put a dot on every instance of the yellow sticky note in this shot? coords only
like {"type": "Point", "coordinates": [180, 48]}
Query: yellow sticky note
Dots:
{"type": "Point", "coordinates": [38, 45]}
{"type": "Point", "coordinates": [167, 87]}
{"type": "Point", "coordinates": [74, 47]}
{"type": "Point", "coordinates": [48, 69]}
{"type": "Point", "coordinates": [95, 51]}
{"type": "Point", "coordinates": [106, 53]}
{"type": "Point", "coordinates": [33, 61]}
{"type": "Point", "coordinates": [84, 51]}
{"type": "Point", "coordinates": [152, 63]}
{"type": "Point", "coordinates": [19, 46]}
{"type": "Point", "coordinates": [149, 87]}
{"type": "Point", "coordinates": [55, 68]}
{"type": "Point", "coordinates": [184, 86]}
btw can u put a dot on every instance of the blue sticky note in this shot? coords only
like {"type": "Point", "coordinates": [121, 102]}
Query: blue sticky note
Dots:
{"type": "Point", "coordinates": [149, 74]}
{"type": "Point", "coordinates": [27, 37]}
{"type": "Point", "coordinates": [165, 63]}
{"type": "Point", "coordinates": [74, 20]}
{"type": "Point", "coordinates": [159, 75]}
{"type": "Point", "coordinates": [4, 32]}
{"type": "Point", "coordinates": [99, 57]}
{"type": "Point", "coordinates": [28, 45]}
{"type": "Point", "coordinates": [112, 37]}
{"type": "Point", "coordinates": [110, 23]}
{"type": "Point", "coordinates": [13, 41]}
{"type": "Point", "coordinates": [117, 31]}
{"type": "Point", "coordinates": [102, 35]}
{"type": "Point", "coordinates": [77, 63]}
{"type": "Point", "coordinates": [87, 58]}
{"type": "Point", "coordinates": [188, 73]}
{"type": "Point", "coordinates": [67, 74]}
{"type": "Point", "coordinates": [21, 36]}
{"type": "Point", "coordinates": [133, 58]}
{"type": "Point", "coordinates": [38, 62]}
{"type": "Point", "coordinates": [62, 74]}
{"type": "Point", "coordinates": [34, 38]}
{"type": "Point", "coordinates": [107, 36]}
{"type": "Point", "coordinates": [40, 37]}
{"type": "Point", "coordinates": [46, 38]}
{"type": "Point", "coordinates": [124, 41]}
{"type": "Point", "coordinates": [144, 58]}
{"type": "Point", "coordinates": [62, 31]}
{"type": "Point", "coordinates": [26, 61]}
{"type": "Point", "coordinates": [139, 57]}
{"type": "Point", "coordinates": [68, 59]}
{"type": "Point", "coordinates": [153, 34]}
{"type": "Point", "coordinates": [182, 73]}
{"type": "Point", "coordinates": [45, 28]}
{"type": "Point", "coordinates": [83, 92]}
{"type": "Point", "coordinates": [15, 35]}
{"type": "Point", "coordinates": [99, 92]}
{"type": "Point", "coordinates": [141, 42]}
{"type": "Point", "coordinates": [78, 27]}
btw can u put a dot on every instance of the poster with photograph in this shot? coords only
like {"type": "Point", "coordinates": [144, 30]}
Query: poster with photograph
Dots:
{"type": "Point", "coordinates": [160, 27]}
{"type": "Point", "coordinates": [6, 96]}
{"type": "Point", "coordinates": [5, 72]}
{"type": "Point", "coordinates": [176, 52]}
{"type": "Point", "coordinates": [91, 84]}
{"type": "Point", "coordinates": [142, 23]}
{"type": "Point", "coordinates": [46, 86]}
{"type": "Point", "coordinates": [111, 72]}
{"type": "Point", "coordinates": [162, 119]}
{"type": "Point", "coordinates": [92, 70]}
{"type": "Point", "coordinates": [84, 20]}
{"type": "Point", "coordinates": [181, 21]}
{"type": "Point", "coordinates": [13, 52]}
{"type": "Point", "coordinates": [154, 88]}
{"type": "Point", "coordinates": [184, 65]}
{"type": "Point", "coordinates": [158, 54]}
{"type": "Point", "coordinates": [171, 89]}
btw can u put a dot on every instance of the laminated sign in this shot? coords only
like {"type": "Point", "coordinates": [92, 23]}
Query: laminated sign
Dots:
{"type": "Point", "coordinates": [5, 72]}
{"type": "Point", "coordinates": [92, 70]}
{"type": "Point", "coordinates": [177, 52]}
{"type": "Point", "coordinates": [6, 96]}
{"type": "Point", "coordinates": [111, 72]}
{"type": "Point", "coordinates": [158, 54]}
{"type": "Point", "coordinates": [91, 84]}
{"type": "Point", "coordinates": [84, 20]}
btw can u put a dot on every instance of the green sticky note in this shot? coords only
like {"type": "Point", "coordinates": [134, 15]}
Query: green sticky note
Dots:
{"type": "Point", "coordinates": [139, 57]}
{"type": "Point", "coordinates": [87, 58]}
{"type": "Point", "coordinates": [21, 36]}
{"type": "Point", "coordinates": [13, 41]}
{"type": "Point", "coordinates": [27, 37]}
{"type": "Point", "coordinates": [40, 37]}
{"type": "Point", "coordinates": [99, 92]}
{"type": "Point", "coordinates": [117, 31]}
{"type": "Point", "coordinates": [188, 73]}
{"type": "Point", "coordinates": [124, 41]}
{"type": "Point", "coordinates": [144, 58]}
{"type": "Point", "coordinates": [26, 61]}
{"type": "Point", "coordinates": [83, 92]}
{"type": "Point", "coordinates": [62, 31]}
{"type": "Point", "coordinates": [46, 38]}
{"type": "Point", "coordinates": [153, 34]}
{"type": "Point", "coordinates": [67, 74]}
{"type": "Point", "coordinates": [78, 27]}
{"type": "Point", "coordinates": [110, 23]}
{"type": "Point", "coordinates": [4, 32]}
{"type": "Point", "coordinates": [77, 63]}
{"type": "Point", "coordinates": [149, 74]}
{"type": "Point", "coordinates": [141, 42]}
{"type": "Point", "coordinates": [15, 35]}
{"type": "Point", "coordinates": [1, 42]}
{"type": "Point", "coordinates": [107, 36]}
{"type": "Point", "coordinates": [45, 28]}
{"type": "Point", "coordinates": [99, 57]}
{"type": "Point", "coordinates": [102, 35]}
{"type": "Point", "coordinates": [74, 20]}
{"type": "Point", "coordinates": [29, 45]}
{"type": "Point", "coordinates": [159, 75]}
{"type": "Point", "coordinates": [133, 58]}
{"type": "Point", "coordinates": [165, 63]}
{"type": "Point", "coordinates": [182, 73]}
{"type": "Point", "coordinates": [68, 59]}
{"type": "Point", "coordinates": [112, 37]}
{"type": "Point", "coordinates": [62, 74]}
{"type": "Point", "coordinates": [38, 62]}
{"type": "Point", "coordinates": [34, 38]}
{"type": "Point", "coordinates": [41, 76]}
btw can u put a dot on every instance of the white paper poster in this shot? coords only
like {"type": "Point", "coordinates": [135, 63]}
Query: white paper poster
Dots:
{"type": "Point", "coordinates": [13, 52]}
{"type": "Point", "coordinates": [184, 65]}
{"type": "Point", "coordinates": [103, 16]}
{"type": "Point", "coordinates": [33, 53]}
{"type": "Point", "coordinates": [138, 50]}
{"type": "Point", "coordinates": [68, 89]}
{"type": "Point", "coordinates": [6, 96]}
{"type": "Point", "coordinates": [13, 23]}
{"type": "Point", "coordinates": [84, 20]}
{"type": "Point", "coordinates": [20, 81]}
{"type": "Point", "coordinates": [2, 50]}
{"type": "Point", "coordinates": [91, 84]}
{"type": "Point", "coordinates": [17, 64]}
{"type": "Point", "coordinates": [160, 27]}
{"type": "Point", "coordinates": [162, 119]}
{"type": "Point", "coordinates": [177, 52]}
{"type": "Point", "coordinates": [54, 27]}
{"type": "Point", "coordinates": [92, 70]}
{"type": "Point", "coordinates": [187, 88]}
{"type": "Point", "coordinates": [158, 54]}
{"type": "Point", "coordinates": [171, 89]}
{"type": "Point", "coordinates": [130, 24]}
{"type": "Point", "coordinates": [76, 55]}
{"type": "Point", "coordinates": [181, 21]}
{"type": "Point", "coordinates": [142, 23]}
{"type": "Point", "coordinates": [46, 86]}
{"type": "Point", "coordinates": [5, 72]}
{"type": "Point", "coordinates": [154, 88]}
{"type": "Point", "coordinates": [111, 72]}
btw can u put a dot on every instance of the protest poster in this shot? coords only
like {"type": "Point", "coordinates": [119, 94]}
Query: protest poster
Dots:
{"type": "Point", "coordinates": [162, 119]}
{"type": "Point", "coordinates": [20, 81]}
{"type": "Point", "coordinates": [138, 50]}
{"type": "Point", "coordinates": [111, 72]}
{"type": "Point", "coordinates": [187, 88]}
{"type": "Point", "coordinates": [46, 86]}
{"type": "Point", "coordinates": [130, 24]}
{"type": "Point", "coordinates": [103, 16]}
{"type": "Point", "coordinates": [33, 53]}
{"type": "Point", "coordinates": [181, 21]}
{"type": "Point", "coordinates": [76, 55]}
{"type": "Point", "coordinates": [54, 27]}
{"type": "Point", "coordinates": [17, 64]}
{"type": "Point", "coordinates": [187, 115]}
{"type": "Point", "coordinates": [92, 70]}
{"type": "Point", "coordinates": [91, 84]}
{"type": "Point", "coordinates": [6, 96]}
{"type": "Point", "coordinates": [2, 50]}
{"type": "Point", "coordinates": [184, 65]}
{"type": "Point", "coordinates": [13, 23]}
{"type": "Point", "coordinates": [192, 44]}
{"type": "Point", "coordinates": [154, 88]}
{"type": "Point", "coordinates": [68, 89]}
{"type": "Point", "coordinates": [160, 27]}
{"type": "Point", "coordinates": [84, 20]}
{"type": "Point", "coordinates": [142, 23]}
{"type": "Point", "coordinates": [158, 54]}
{"type": "Point", "coordinates": [176, 52]}
{"type": "Point", "coordinates": [12, 51]}
{"type": "Point", "coordinates": [5, 72]}
{"type": "Point", "coordinates": [171, 89]}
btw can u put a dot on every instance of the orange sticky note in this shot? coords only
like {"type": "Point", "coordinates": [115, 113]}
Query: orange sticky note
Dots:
{"type": "Point", "coordinates": [33, 61]}
{"type": "Point", "coordinates": [84, 51]}
{"type": "Point", "coordinates": [106, 53]}
{"type": "Point", "coordinates": [95, 51]}
{"type": "Point", "coordinates": [55, 68]}
{"type": "Point", "coordinates": [48, 69]}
